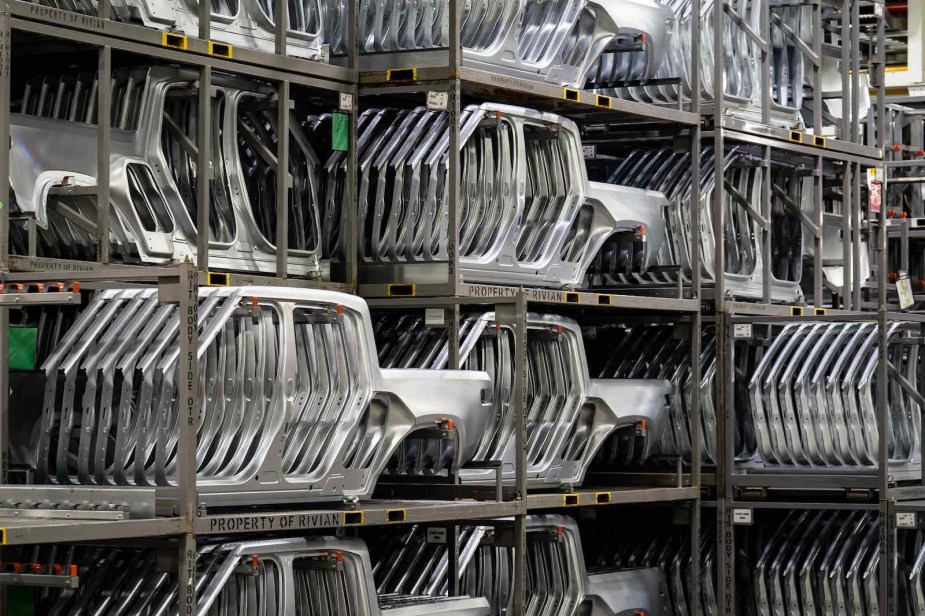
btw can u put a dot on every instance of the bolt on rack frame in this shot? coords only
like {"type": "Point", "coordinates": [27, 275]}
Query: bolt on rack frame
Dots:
{"type": "Point", "coordinates": [451, 77]}
{"type": "Point", "coordinates": [518, 306]}
{"type": "Point", "coordinates": [832, 149]}
{"type": "Point", "coordinates": [793, 471]}
{"type": "Point", "coordinates": [334, 84]}
{"type": "Point", "coordinates": [178, 284]}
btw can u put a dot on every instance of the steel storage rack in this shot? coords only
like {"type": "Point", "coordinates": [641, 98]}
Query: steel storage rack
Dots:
{"type": "Point", "coordinates": [460, 89]}
{"type": "Point", "coordinates": [805, 447]}
{"type": "Point", "coordinates": [173, 518]}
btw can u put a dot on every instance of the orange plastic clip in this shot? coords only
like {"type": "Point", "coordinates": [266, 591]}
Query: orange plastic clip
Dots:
{"type": "Point", "coordinates": [76, 286]}
{"type": "Point", "coordinates": [340, 309]}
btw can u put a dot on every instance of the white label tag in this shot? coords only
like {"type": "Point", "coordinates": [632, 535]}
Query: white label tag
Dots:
{"type": "Point", "coordinates": [742, 331]}
{"type": "Point", "coordinates": [346, 102]}
{"type": "Point", "coordinates": [436, 535]}
{"type": "Point", "coordinates": [904, 290]}
{"type": "Point", "coordinates": [325, 54]}
{"type": "Point", "coordinates": [589, 151]}
{"type": "Point", "coordinates": [906, 520]}
{"type": "Point", "coordinates": [438, 101]}
{"type": "Point", "coordinates": [434, 317]}
{"type": "Point", "coordinates": [742, 516]}
{"type": "Point", "coordinates": [878, 9]}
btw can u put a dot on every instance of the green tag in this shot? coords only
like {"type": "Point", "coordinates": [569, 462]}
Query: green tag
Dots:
{"type": "Point", "coordinates": [22, 347]}
{"type": "Point", "coordinates": [340, 132]}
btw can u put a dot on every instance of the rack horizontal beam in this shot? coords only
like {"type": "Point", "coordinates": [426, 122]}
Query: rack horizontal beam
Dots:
{"type": "Point", "coordinates": [373, 513]}
{"type": "Point", "coordinates": [587, 497]}
{"type": "Point", "coordinates": [421, 71]}
{"type": "Point", "coordinates": [23, 530]}
{"type": "Point", "coordinates": [70, 26]}
{"type": "Point", "coordinates": [800, 142]}
{"type": "Point", "coordinates": [411, 294]}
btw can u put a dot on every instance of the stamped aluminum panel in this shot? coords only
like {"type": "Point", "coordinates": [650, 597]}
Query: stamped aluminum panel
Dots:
{"type": "Point", "coordinates": [553, 42]}
{"type": "Point", "coordinates": [293, 399]}
{"type": "Point", "coordinates": [573, 421]}
{"type": "Point", "coordinates": [812, 396]}
{"type": "Point", "coordinates": [528, 213]}
{"type": "Point", "coordinates": [558, 584]}
{"type": "Point", "coordinates": [660, 352]}
{"type": "Point", "coordinates": [268, 577]}
{"type": "Point", "coordinates": [669, 173]}
{"type": "Point", "coordinates": [741, 61]}
{"type": "Point", "coordinates": [816, 562]}
{"type": "Point", "coordinates": [153, 170]}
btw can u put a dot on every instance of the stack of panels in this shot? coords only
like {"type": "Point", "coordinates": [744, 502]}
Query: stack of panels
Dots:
{"type": "Point", "coordinates": [813, 395]}
{"type": "Point", "coordinates": [814, 562]}
{"type": "Point", "coordinates": [154, 176]}
{"type": "Point", "coordinates": [527, 212]}
{"type": "Point", "coordinates": [110, 414]}
{"type": "Point", "coordinates": [557, 582]}
{"type": "Point", "coordinates": [572, 420]}
{"type": "Point", "coordinates": [280, 577]}
{"type": "Point", "coordinates": [557, 42]}
{"type": "Point", "coordinates": [809, 391]}
{"type": "Point", "coordinates": [669, 173]}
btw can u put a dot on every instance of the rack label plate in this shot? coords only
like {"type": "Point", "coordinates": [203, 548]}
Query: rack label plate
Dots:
{"type": "Point", "coordinates": [906, 519]}
{"type": "Point", "coordinates": [436, 534]}
{"type": "Point", "coordinates": [742, 517]}
{"type": "Point", "coordinates": [742, 331]}
{"type": "Point", "coordinates": [434, 317]}
{"type": "Point", "coordinates": [438, 101]}
{"type": "Point", "coordinates": [346, 102]}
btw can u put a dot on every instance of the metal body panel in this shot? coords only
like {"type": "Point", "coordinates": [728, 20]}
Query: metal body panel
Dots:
{"type": "Point", "coordinates": [294, 401]}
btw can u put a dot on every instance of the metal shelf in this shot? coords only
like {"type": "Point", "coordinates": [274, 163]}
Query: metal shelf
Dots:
{"type": "Point", "coordinates": [24, 530]}
{"type": "Point", "coordinates": [421, 71]}
{"type": "Point", "coordinates": [367, 513]}
{"type": "Point", "coordinates": [412, 295]}
{"type": "Point", "coordinates": [800, 142]}
{"type": "Point", "coordinates": [599, 497]}
{"type": "Point", "coordinates": [79, 28]}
